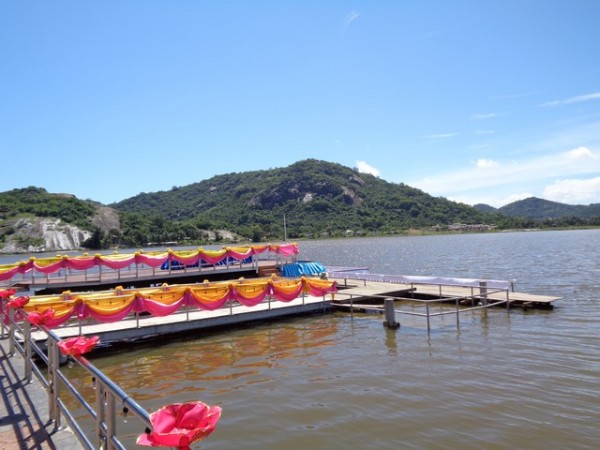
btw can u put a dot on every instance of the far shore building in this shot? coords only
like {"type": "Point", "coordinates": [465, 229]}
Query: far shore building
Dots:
{"type": "Point", "coordinates": [472, 227]}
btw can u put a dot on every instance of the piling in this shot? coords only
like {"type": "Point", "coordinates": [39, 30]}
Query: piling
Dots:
{"type": "Point", "coordinates": [483, 292]}
{"type": "Point", "coordinates": [390, 314]}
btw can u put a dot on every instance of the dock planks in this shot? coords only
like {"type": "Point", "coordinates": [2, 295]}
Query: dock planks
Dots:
{"type": "Point", "coordinates": [360, 290]}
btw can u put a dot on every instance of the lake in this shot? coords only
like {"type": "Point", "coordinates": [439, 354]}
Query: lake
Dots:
{"type": "Point", "coordinates": [522, 379]}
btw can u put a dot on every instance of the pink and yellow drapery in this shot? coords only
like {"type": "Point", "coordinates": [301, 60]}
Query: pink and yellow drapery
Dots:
{"type": "Point", "coordinates": [112, 306]}
{"type": "Point", "coordinates": [150, 259]}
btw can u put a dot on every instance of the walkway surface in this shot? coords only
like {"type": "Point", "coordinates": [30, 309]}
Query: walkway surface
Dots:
{"type": "Point", "coordinates": [24, 417]}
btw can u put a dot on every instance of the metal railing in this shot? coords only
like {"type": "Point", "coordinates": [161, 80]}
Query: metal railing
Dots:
{"type": "Point", "coordinates": [109, 397]}
{"type": "Point", "coordinates": [482, 296]}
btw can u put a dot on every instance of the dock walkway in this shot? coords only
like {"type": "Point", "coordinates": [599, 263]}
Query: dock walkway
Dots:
{"type": "Point", "coordinates": [24, 410]}
{"type": "Point", "coordinates": [363, 290]}
{"type": "Point", "coordinates": [144, 327]}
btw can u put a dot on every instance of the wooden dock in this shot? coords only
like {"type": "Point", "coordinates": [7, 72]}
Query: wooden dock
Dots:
{"type": "Point", "coordinates": [355, 293]}
{"type": "Point", "coordinates": [139, 277]}
{"type": "Point", "coordinates": [145, 327]}
{"type": "Point", "coordinates": [371, 292]}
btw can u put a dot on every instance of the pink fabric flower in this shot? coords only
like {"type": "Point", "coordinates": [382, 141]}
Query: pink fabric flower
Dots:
{"type": "Point", "coordinates": [6, 293]}
{"type": "Point", "coordinates": [77, 346]}
{"type": "Point", "coordinates": [180, 425]}
{"type": "Point", "coordinates": [18, 302]}
{"type": "Point", "coordinates": [36, 318]}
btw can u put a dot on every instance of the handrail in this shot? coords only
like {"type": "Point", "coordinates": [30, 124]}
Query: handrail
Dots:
{"type": "Point", "coordinates": [497, 286]}
{"type": "Point", "coordinates": [108, 393]}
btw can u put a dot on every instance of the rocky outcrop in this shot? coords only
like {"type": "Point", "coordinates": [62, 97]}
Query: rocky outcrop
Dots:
{"type": "Point", "coordinates": [44, 235]}
{"type": "Point", "coordinates": [106, 219]}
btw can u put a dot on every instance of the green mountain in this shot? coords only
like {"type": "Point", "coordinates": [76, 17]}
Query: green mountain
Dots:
{"type": "Point", "coordinates": [317, 198]}
{"type": "Point", "coordinates": [31, 219]}
{"type": "Point", "coordinates": [314, 199]}
{"type": "Point", "coordinates": [485, 208]}
{"type": "Point", "coordinates": [537, 208]}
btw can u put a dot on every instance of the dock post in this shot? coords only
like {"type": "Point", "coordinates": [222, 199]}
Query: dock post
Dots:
{"type": "Point", "coordinates": [11, 331]}
{"type": "Point", "coordinates": [28, 351]}
{"type": "Point", "coordinates": [483, 292]}
{"type": "Point", "coordinates": [457, 314]}
{"type": "Point", "coordinates": [390, 314]}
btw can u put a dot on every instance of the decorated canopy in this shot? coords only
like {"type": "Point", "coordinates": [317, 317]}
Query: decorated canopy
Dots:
{"type": "Point", "coordinates": [150, 259]}
{"type": "Point", "coordinates": [114, 305]}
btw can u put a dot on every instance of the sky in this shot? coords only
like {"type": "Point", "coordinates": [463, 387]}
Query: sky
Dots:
{"type": "Point", "coordinates": [475, 101]}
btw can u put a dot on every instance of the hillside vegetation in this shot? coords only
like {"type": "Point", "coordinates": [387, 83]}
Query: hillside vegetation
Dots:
{"type": "Point", "coordinates": [314, 198]}
{"type": "Point", "coordinates": [31, 219]}
{"type": "Point", "coordinates": [537, 208]}
{"type": "Point", "coordinates": [317, 198]}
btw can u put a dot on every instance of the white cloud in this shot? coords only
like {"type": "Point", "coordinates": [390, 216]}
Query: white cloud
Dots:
{"type": "Point", "coordinates": [350, 17]}
{"type": "Point", "coordinates": [578, 99]}
{"type": "Point", "coordinates": [363, 167]}
{"type": "Point", "coordinates": [575, 163]}
{"type": "Point", "coordinates": [574, 191]}
{"type": "Point", "coordinates": [440, 136]}
{"type": "Point", "coordinates": [483, 116]}
{"type": "Point", "coordinates": [580, 153]}
{"type": "Point", "coordinates": [495, 201]}
{"type": "Point", "coordinates": [486, 163]}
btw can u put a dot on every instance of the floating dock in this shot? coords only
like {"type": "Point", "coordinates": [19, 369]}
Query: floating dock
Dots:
{"type": "Point", "coordinates": [141, 277]}
{"type": "Point", "coordinates": [356, 294]}
{"type": "Point", "coordinates": [146, 327]}
{"type": "Point", "coordinates": [360, 288]}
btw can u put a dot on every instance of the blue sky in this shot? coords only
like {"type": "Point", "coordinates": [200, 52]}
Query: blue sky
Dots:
{"type": "Point", "coordinates": [475, 101]}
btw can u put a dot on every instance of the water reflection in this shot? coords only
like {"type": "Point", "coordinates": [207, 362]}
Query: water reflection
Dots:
{"type": "Point", "coordinates": [240, 358]}
{"type": "Point", "coordinates": [501, 380]}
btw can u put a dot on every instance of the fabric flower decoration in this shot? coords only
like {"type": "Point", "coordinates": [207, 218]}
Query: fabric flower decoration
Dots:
{"type": "Point", "coordinates": [5, 293]}
{"type": "Point", "coordinates": [180, 425]}
{"type": "Point", "coordinates": [36, 318]}
{"type": "Point", "coordinates": [18, 302]}
{"type": "Point", "coordinates": [77, 346]}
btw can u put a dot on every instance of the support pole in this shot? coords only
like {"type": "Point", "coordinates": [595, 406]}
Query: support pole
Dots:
{"type": "Point", "coordinates": [28, 351]}
{"type": "Point", "coordinates": [53, 384]}
{"type": "Point", "coordinates": [390, 314]}
{"type": "Point", "coordinates": [483, 292]}
{"type": "Point", "coordinates": [457, 314]}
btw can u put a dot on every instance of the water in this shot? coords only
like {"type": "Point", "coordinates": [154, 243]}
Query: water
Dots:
{"type": "Point", "coordinates": [501, 381]}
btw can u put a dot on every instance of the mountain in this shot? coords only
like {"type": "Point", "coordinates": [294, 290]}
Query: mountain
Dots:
{"type": "Point", "coordinates": [32, 220]}
{"type": "Point", "coordinates": [485, 208]}
{"type": "Point", "coordinates": [308, 199]}
{"type": "Point", "coordinates": [317, 198]}
{"type": "Point", "coordinates": [537, 208]}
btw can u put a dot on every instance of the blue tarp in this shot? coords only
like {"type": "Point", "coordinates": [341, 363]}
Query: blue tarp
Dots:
{"type": "Point", "coordinates": [300, 268]}
{"type": "Point", "coordinates": [176, 265]}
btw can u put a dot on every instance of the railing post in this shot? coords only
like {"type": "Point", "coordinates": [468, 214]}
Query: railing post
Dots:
{"type": "Point", "coordinates": [2, 318]}
{"type": "Point", "coordinates": [11, 331]}
{"type": "Point", "coordinates": [100, 393]}
{"type": "Point", "coordinates": [427, 308]}
{"type": "Point", "coordinates": [28, 353]}
{"type": "Point", "coordinates": [111, 421]}
{"type": "Point", "coordinates": [53, 385]}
